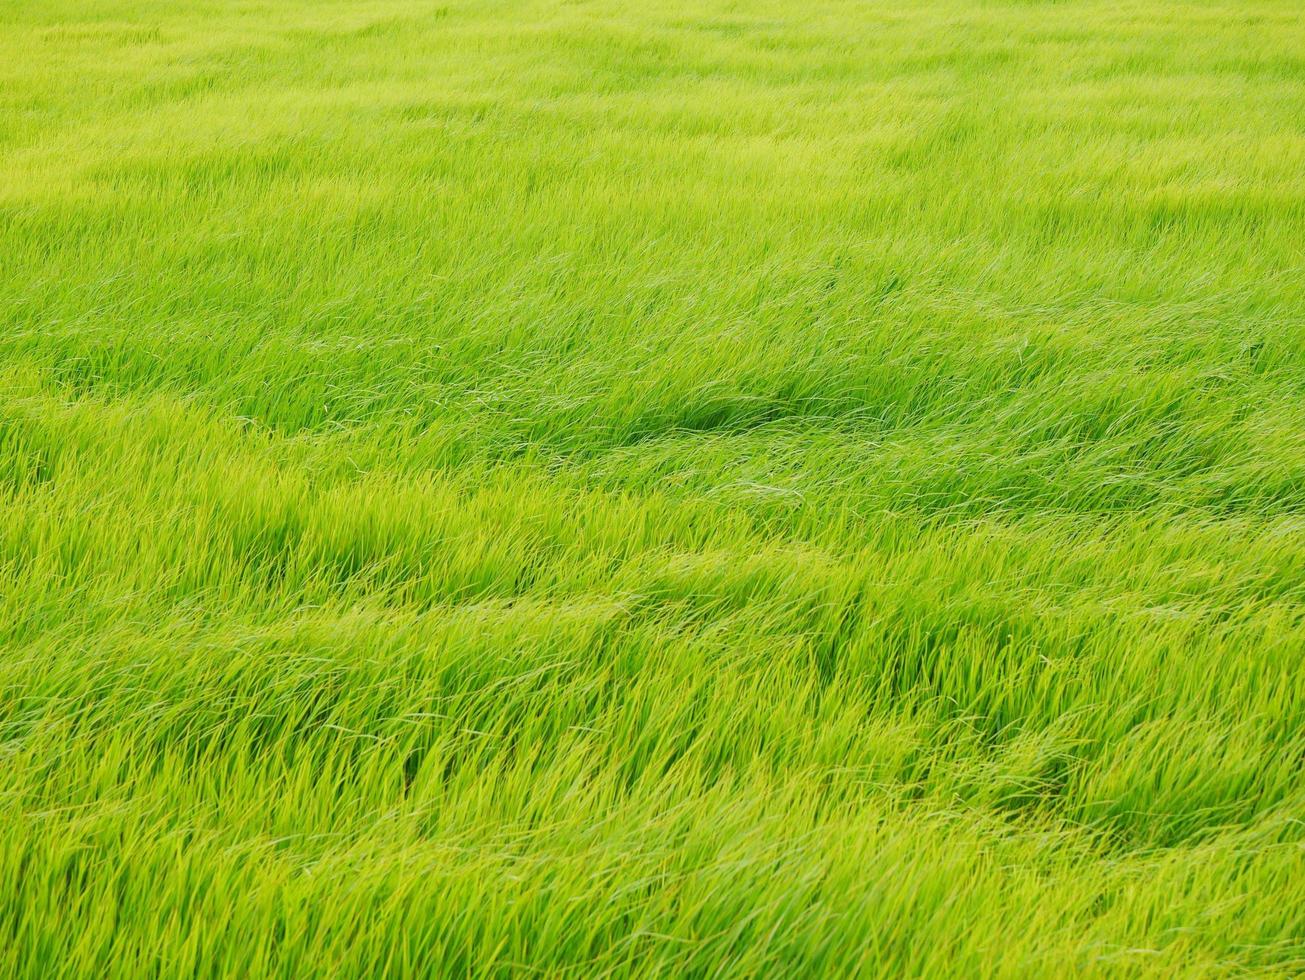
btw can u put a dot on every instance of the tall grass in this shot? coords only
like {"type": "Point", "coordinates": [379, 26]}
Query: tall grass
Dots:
{"type": "Point", "coordinates": [615, 488]}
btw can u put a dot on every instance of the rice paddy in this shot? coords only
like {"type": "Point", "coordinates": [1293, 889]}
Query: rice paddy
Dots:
{"type": "Point", "coordinates": [624, 489]}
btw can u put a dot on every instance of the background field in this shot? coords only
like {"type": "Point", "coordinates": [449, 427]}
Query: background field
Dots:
{"type": "Point", "coordinates": [663, 488]}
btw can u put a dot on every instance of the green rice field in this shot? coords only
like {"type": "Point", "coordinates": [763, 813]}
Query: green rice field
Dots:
{"type": "Point", "coordinates": [614, 488]}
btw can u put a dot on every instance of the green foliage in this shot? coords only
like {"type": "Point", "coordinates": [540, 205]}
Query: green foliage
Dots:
{"type": "Point", "coordinates": [614, 488]}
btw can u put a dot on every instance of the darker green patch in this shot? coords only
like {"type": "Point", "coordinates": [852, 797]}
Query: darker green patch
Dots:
{"type": "Point", "coordinates": [26, 453]}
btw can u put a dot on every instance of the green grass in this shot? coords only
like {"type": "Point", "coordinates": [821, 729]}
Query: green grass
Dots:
{"type": "Point", "coordinates": [630, 488]}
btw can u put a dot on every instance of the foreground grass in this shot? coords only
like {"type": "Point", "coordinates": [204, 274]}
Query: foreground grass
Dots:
{"type": "Point", "coordinates": [617, 488]}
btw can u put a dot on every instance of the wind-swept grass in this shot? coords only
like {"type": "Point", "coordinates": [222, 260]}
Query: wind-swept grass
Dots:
{"type": "Point", "coordinates": [615, 488]}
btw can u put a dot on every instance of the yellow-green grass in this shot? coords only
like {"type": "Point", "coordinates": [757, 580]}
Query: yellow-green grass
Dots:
{"type": "Point", "coordinates": [630, 488]}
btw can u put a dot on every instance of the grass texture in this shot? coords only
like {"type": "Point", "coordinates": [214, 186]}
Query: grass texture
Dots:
{"type": "Point", "coordinates": [612, 488]}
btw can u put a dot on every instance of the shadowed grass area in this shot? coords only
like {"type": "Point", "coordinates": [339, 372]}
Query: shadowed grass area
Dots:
{"type": "Point", "coordinates": [607, 488]}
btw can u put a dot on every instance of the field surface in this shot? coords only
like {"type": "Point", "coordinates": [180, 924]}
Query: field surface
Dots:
{"type": "Point", "coordinates": [626, 488]}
